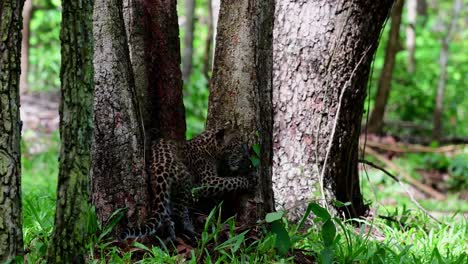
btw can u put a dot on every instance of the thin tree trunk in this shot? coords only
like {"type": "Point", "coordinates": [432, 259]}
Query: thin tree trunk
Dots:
{"type": "Point", "coordinates": [411, 16]}
{"type": "Point", "coordinates": [27, 13]}
{"type": "Point", "coordinates": [118, 177]}
{"type": "Point", "coordinates": [443, 63]}
{"type": "Point", "coordinates": [11, 235]}
{"type": "Point", "coordinates": [188, 39]}
{"type": "Point", "coordinates": [153, 35]}
{"type": "Point", "coordinates": [322, 55]}
{"type": "Point", "coordinates": [134, 26]}
{"type": "Point", "coordinates": [215, 5]}
{"type": "Point", "coordinates": [241, 88]}
{"type": "Point", "coordinates": [385, 81]}
{"type": "Point", "coordinates": [76, 75]}
{"type": "Point", "coordinates": [208, 58]}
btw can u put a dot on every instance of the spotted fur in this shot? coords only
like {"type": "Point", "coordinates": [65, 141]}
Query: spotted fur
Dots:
{"type": "Point", "coordinates": [177, 168]}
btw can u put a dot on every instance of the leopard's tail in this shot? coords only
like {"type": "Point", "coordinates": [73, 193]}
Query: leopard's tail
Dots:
{"type": "Point", "coordinates": [147, 229]}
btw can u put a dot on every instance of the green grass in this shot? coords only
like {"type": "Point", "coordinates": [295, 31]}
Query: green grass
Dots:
{"type": "Point", "coordinates": [398, 234]}
{"type": "Point", "coordinates": [39, 183]}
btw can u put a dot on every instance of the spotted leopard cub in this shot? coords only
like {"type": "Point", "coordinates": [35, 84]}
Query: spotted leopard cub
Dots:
{"type": "Point", "coordinates": [179, 167]}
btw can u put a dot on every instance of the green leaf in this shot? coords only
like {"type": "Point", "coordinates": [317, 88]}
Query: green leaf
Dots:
{"type": "Point", "coordinates": [274, 216]}
{"type": "Point", "coordinates": [239, 241]}
{"type": "Point", "coordinates": [256, 149]}
{"type": "Point", "coordinates": [326, 255]}
{"type": "Point", "coordinates": [283, 242]}
{"type": "Point", "coordinates": [328, 232]}
{"type": "Point", "coordinates": [304, 217]}
{"type": "Point", "coordinates": [141, 246]}
{"type": "Point", "coordinates": [319, 211]}
{"type": "Point", "coordinates": [234, 242]}
{"type": "Point", "coordinates": [255, 161]}
{"type": "Point", "coordinates": [266, 244]}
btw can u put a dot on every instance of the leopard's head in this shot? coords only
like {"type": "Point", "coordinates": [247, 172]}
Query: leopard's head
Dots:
{"type": "Point", "coordinates": [227, 145]}
{"type": "Point", "coordinates": [234, 152]}
{"type": "Point", "coordinates": [235, 160]}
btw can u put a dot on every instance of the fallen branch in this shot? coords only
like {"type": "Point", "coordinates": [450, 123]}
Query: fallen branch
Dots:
{"type": "Point", "coordinates": [402, 186]}
{"type": "Point", "coordinates": [418, 185]}
{"type": "Point", "coordinates": [404, 148]}
{"type": "Point", "coordinates": [375, 166]}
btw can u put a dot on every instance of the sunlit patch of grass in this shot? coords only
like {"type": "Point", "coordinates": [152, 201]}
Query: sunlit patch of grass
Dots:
{"type": "Point", "coordinates": [40, 170]}
{"type": "Point", "coordinates": [399, 232]}
{"type": "Point", "coordinates": [39, 183]}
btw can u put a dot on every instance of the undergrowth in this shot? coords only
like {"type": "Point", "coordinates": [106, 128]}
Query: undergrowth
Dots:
{"type": "Point", "coordinates": [397, 233]}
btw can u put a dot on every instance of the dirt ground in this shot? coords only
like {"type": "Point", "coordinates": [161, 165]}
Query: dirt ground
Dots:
{"type": "Point", "coordinates": [40, 117]}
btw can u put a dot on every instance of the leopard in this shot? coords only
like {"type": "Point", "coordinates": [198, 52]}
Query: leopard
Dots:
{"type": "Point", "coordinates": [214, 163]}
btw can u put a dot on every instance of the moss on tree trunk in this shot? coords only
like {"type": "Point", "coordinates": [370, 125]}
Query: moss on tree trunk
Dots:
{"type": "Point", "coordinates": [67, 244]}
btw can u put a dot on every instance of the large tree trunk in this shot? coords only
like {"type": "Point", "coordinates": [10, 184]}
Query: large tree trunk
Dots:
{"type": "Point", "coordinates": [27, 13]}
{"type": "Point", "coordinates": [443, 63]}
{"type": "Point", "coordinates": [188, 39]}
{"type": "Point", "coordinates": [76, 75]}
{"type": "Point", "coordinates": [241, 87]}
{"type": "Point", "coordinates": [118, 177]}
{"type": "Point", "coordinates": [322, 55]}
{"type": "Point", "coordinates": [11, 236]}
{"type": "Point", "coordinates": [153, 36]}
{"type": "Point", "coordinates": [385, 81]}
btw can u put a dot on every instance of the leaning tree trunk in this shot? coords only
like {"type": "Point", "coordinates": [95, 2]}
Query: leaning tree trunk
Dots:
{"type": "Point", "coordinates": [153, 37]}
{"type": "Point", "coordinates": [118, 178]}
{"type": "Point", "coordinates": [322, 55]}
{"type": "Point", "coordinates": [11, 236]}
{"type": "Point", "coordinates": [76, 75]}
{"type": "Point", "coordinates": [241, 87]}
{"type": "Point", "coordinates": [385, 80]}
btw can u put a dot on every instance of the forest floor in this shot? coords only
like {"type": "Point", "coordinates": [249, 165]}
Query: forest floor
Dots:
{"type": "Point", "coordinates": [401, 232]}
{"type": "Point", "coordinates": [40, 117]}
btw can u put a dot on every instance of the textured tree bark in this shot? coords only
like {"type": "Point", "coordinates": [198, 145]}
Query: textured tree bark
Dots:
{"type": "Point", "coordinates": [188, 39]}
{"type": "Point", "coordinates": [11, 235]}
{"type": "Point", "coordinates": [385, 81]}
{"type": "Point", "coordinates": [134, 27]}
{"type": "Point", "coordinates": [76, 128]}
{"type": "Point", "coordinates": [443, 62]}
{"type": "Point", "coordinates": [322, 54]}
{"type": "Point", "coordinates": [153, 35]}
{"type": "Point", "coordinates": [27, 13]}
{"type": "Point", "coordinates": [118, 178]}
{"type": "Point", "coordinates": [241, 88]}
